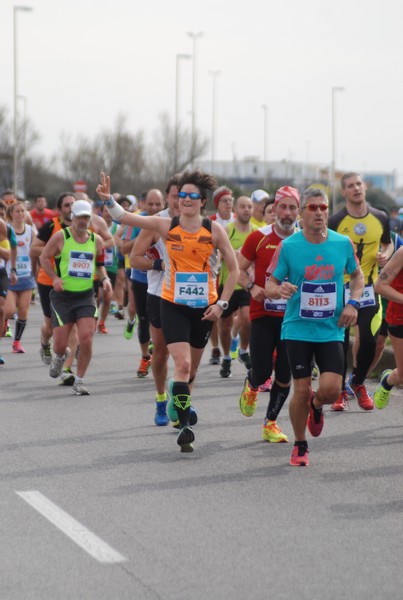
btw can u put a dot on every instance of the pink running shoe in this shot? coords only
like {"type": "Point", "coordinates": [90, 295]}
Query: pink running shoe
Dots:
{"type": "Point", "coordinates": [299, 456]}
{"type": "Point", "coordinates": [266, 386]}
{"type": "Point", "coordinates": [17, 348]}
{"type": "Point", "coordinates": [315, 419]}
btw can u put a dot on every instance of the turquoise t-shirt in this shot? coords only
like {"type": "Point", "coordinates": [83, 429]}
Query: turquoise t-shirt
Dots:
{"type": "Point", "coordinates": [317, 270]}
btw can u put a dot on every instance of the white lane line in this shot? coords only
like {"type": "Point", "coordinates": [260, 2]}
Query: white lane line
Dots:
{"type": "Point", "coordinates": [82, 536]}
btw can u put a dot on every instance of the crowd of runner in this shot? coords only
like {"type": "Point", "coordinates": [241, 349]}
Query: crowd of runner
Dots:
{"type": "Point", "coordinates": [276, 283]}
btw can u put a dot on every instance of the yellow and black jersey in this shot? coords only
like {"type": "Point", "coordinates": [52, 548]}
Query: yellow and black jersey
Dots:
{"type": "Point", "coordinates": [366, 233]}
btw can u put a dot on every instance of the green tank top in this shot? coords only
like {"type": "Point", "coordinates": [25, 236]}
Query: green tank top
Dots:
{"type": "Point", "coordinates": [76, 263]}
{"type": "Point", "coordinates": [236, 239]}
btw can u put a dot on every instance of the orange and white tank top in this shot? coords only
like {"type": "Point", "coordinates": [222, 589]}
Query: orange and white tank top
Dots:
{"type": "Point", "coordinates": [190, 266]}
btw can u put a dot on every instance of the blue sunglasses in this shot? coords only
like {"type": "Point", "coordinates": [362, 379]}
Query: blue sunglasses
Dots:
{"type": "Point", "coordinates": [192, 195]}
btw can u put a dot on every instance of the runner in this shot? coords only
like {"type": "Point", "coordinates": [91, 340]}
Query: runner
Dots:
{"type": "Point", "coordinates": [308, 271]}
{"type": "Point", "coordinates": [19, 293]}
{"type": "Point", "coordinates": [189, 297]}
{"type": "Point", "coordinates": [237, 232]}
{"type": "Point", "coordinates": [71, 258]}
{"type": "Point", "coordinates": [390, 285]}
{"type": "Point", "coordinates": [267, 315]}
{"type": "Point", "coordinates": [368, 229]}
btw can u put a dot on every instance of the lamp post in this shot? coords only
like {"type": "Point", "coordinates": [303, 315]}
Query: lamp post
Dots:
{"type": "Point", "coordinates": [194, 37]}
{"type": "Point", "coordinates": [332, 178]}
{"type": "Point", "coordinates": [24, 141]}
{"type": "Point", "coordinates": [214, 75]}
{"type": "Point", "coordinates": [15, 128]}
{"type": "Point", "coordinates": [264, 107]}
{"type": "Point", "coordinates": [179, 57]}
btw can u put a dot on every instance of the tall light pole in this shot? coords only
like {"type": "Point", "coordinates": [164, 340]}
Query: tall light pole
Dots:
{"type": "Point", "coordinates": [264, 106]}
{"type": "Point", "coordinates": [214, 75]}
{"type": "Point", "coordinates": [179, 57]}
{"type": "Point", "coordinates": [15, 153]}
{"type": "Point", "coordinates": [332, 178]}
{"type": "Point", "coordinates": [24, 141]}
{"type": "Point", "coordinates": [194, 37]}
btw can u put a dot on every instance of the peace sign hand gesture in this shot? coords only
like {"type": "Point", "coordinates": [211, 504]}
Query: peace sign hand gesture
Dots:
{"type": "Point", "coordinates": [104, 188]}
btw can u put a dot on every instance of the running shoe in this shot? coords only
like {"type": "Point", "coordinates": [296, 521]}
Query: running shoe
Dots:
{"type": "Point", "coordinates": [45, 354]}
{"type": "Point", "coordinates": [215, 357]}
{"type": "Point", "coordinates": [79, 389]}
{"type": "Point", "coordinates": [299, 456]}
{"type": "Point", "coordinates": [225, 370]}
{"type": "Point", "coordinates": [364, 400]}
{"type": "Point", "coordinates": [161, 417]}
{"type": "Point", "coordinates": [185, 439]}
{"type": "Point", "coordinates": [348, 385]}
{"type": "Point", "coordinates": [381, 395]}
{"type": "Point", "coordinates": [102, 328]}
{"type": "Point", "coordinates": [341, 403]}
{"type": "Point", "coordinates": [244, 358]}
{"type": "Point", "coordinates": [171, 410]}
{"type": "Point", "coordinates": [129, 329]}
{"type": "Point", "coordinates": [119, 314]}
{"type": "Point", "coordinates": [272, 433]}
{"type": "Point", "coordinates": [266, 386]}
{"type": "Point", "coordinates": [248, 399]}
{"type": "Point", "coordinates": [17, 348]}
{"type": "Point", "coordinates": [144, 367]}
{"type": "Point", "coordinates": [315, 419]}
{"type": "Point", "coordinates": [234, 347]}
{"type": "Point", "coordinates": [2, 361]}
{"type": "Point", "coordinates": [56, 366]}
{"type": "Point", "coordinates": [8, 333]}
{"type": "Point", "coordinates": [67, 377]}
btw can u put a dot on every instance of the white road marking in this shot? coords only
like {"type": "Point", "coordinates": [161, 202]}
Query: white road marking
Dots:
{"type": "Point", "coordinates": [82, 536]}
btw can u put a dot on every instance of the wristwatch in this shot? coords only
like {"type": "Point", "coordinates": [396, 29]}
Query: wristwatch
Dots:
{"type": "Point", "coordinates": [250, 285]}
{"type": "Point", "coordinates": [223, 304]}
{"type": "Point", "coordinates": [354, 303]}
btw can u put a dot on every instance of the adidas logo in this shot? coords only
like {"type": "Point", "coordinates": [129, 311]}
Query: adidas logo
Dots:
{"type": "Point", "coordinates": [82, 256]}
{"type": "Point", "coordinates": [319, 290]}
{"type": "Point", "coordinates": [319, 257]}
{"type": "Point", "coordinates": [192, 278]}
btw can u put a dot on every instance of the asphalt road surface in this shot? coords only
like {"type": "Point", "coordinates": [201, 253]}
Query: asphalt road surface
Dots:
{"type": "Point", "coordinates": [98, 503]}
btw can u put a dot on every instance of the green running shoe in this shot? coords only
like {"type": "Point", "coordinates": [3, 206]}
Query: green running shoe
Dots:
{"type": "Point", "coordinates": [381, 396]}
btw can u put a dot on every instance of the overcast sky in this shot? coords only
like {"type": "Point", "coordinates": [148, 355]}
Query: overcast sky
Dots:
{"type": "Point", "coordinates": [82, 62]}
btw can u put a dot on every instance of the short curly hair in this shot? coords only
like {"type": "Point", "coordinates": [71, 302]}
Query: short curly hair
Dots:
{"type": "Point", "coordinates": [205, 182]}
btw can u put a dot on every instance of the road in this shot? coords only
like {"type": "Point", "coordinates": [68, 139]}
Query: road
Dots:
{"type": "Point", "coordinates": [99, 503]}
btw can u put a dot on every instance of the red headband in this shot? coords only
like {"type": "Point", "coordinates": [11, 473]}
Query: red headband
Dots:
{"type": "Point", "coordinates": [220, 193]}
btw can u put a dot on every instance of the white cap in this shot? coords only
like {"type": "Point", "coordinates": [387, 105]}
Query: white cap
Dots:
{"type": "Point", "coordinates": [81, 208]}
{"type": "Point", "coordinates": [259, 195]}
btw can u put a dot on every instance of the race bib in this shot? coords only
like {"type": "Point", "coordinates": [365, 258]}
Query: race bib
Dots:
{"type": "Point", "coordinates": [275, 305]}
{"type": "Point", "coordinates": [318, 300]}
{"type": "Point", "coordinates": [191, 289]}
{"type": "Point", "coordinates": [80, 264]}
{"type": "Point", "coordinates": [23, 266]}
{"type": "Point", "coordinates": [367, 298]}
{"type": "Point", "coordinates": [108, 254]}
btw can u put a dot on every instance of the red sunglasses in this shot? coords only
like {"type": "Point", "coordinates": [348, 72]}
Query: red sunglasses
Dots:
{"type": "Point", "coordinates": [314, 207]}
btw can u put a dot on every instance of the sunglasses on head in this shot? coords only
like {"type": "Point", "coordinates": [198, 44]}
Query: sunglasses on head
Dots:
{"type": "Point", "coordinates": [314, 207]}
{"type": "Point", "coordinates": [192, 195]}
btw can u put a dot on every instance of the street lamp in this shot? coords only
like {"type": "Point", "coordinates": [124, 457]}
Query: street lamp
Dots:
{"type": "Point", "coordinates": [214, 75]}
{"type": "Point", "coordinates": [24, 141]}
{"type": "Point", "coordinates": [332, 178]}
{"type": "Point", "coordinates": [264, 107]}
{"type": "Point", "coordinates": [15, 150]}
{"type": "Point", "coordinates": [194, 37]}
{"type": "Point", "coordinates": [178, 58]}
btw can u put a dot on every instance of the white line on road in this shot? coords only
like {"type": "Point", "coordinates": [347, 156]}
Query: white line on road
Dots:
{"type": "Point", "coordinates": [87, 540]}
